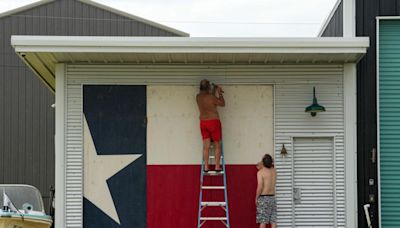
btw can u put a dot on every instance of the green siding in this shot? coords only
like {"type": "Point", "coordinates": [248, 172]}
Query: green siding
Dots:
{"type": "Point", "coordinates": [389, 111]}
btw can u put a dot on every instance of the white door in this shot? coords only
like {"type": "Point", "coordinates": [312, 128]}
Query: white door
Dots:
{"type": "Point", "coordinates": [313, 182]}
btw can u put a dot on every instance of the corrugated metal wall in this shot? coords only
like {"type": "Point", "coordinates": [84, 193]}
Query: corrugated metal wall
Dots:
{"type": "Point", "coordinates": [389, 121]}
{"type": "Point", "coordinates": [26, 118]}
{"type": "Point", "coordinates": [293, 92]}
{"type": "Point", "coordinates": [290, 101]}
{"type": "Point", "coordinates": [335, 25]}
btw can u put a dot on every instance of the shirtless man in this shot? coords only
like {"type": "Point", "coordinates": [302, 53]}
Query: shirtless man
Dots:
{"type": "Point", "coordinates": [210, 125]}
{"type": "Point", "coordinates": [265, 195]}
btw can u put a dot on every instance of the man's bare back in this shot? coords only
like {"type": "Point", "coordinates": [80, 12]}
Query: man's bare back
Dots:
{"type": "Point", "coordinates": [207, 104]}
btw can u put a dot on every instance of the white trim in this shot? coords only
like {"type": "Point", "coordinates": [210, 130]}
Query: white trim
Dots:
{"type": "Point", "coordinates": [329, 18]}
{"type": "Point", "coordinates": [273, 116]}
{"type": "Point", "coordinates": [198, 50]}
{"type": "Point", "coordinates": [388, 17]}
{"type": "Point", "coordinates": [68, 44]}
{"type": "Point", "coordinates": [136, 18]}
{"type": "Point", "coordinates": [334, 183]}
{"type": "Point", "coordinates": [82, 122]}
{"type": "Point", "coordinates": [350, 120]}
{"type": "Point", "coordinates": [378, 132]}
{"type": "Point", "coordinates": [21, 41]}
{"type": "Point", "coordinates": [292, 182]}
{"type": "Point", "coordinates": [23, 8]}
{"type": "Point", "coordinates": [60, 147]}
{"type": "Point", "coordinates": [349, 18]}
{"type": "Point", "coordinates": [310, 135]}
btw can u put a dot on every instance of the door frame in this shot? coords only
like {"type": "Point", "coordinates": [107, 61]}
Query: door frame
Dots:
{"type": "Point", "coordinates": [313, 135]}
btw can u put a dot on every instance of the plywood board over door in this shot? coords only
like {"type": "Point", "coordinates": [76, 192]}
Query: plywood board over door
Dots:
{"type": "Point", "coordinates": [175, 152]}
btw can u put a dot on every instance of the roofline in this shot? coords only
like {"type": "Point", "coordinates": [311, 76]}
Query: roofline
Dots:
{"type": "Point", "coordinates": [25, 7]}
{"type": "Point", "coordinates": [188, 44]}
{"type": "Point", "coordinates": [29, 48]}
{"type": "Point", "coordinates": [101, 6]}
{"type": "Point", "coordinates": [329, 18]}
{"type": "Point", "coordinates": [131, 16]}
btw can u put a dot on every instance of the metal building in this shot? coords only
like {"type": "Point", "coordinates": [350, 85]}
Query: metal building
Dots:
{"type": "Point", "coordinates": [154, 182]}
{"type": "Point", "coordinates": [26, 116]}
{"type": "Point", "coordinates": [377, 132]}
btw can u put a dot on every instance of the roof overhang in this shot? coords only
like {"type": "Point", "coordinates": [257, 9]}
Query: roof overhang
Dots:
{"type": "Point", "coordinates": [42, 53]}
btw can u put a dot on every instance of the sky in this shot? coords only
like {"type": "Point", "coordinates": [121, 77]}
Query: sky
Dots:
{"type": "Point", "coordinates": [225, 18]}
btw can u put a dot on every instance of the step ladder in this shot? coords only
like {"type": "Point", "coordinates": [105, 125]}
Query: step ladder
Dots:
{"type": "Point", "coordinates": [222, 204]}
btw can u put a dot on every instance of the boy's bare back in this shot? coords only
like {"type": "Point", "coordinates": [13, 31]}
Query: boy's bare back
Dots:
{"type": "Point", "coordinates": [267, 179]}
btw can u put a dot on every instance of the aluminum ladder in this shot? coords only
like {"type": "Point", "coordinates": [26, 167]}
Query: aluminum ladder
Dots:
{"type": "Point", "coordinates": [204, 204]}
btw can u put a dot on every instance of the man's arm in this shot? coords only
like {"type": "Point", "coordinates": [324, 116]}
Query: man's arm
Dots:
{"type": "Point", "coordinates": [259, 185]}
{"type": "Point", "coordinates": [220, 101]}
{"type": "Point", "coordinates": [214, 89]}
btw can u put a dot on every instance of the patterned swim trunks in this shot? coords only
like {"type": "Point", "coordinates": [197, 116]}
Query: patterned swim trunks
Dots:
{"type": "Point", "coordinates": [266, 209]}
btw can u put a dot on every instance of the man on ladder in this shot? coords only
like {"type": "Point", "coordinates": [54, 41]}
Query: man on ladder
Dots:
{"type": "Point", "coordinates": [210, 125]}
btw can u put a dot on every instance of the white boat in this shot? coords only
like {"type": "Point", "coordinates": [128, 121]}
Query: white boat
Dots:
{"type": "Point", "coordinates": [22, 207]}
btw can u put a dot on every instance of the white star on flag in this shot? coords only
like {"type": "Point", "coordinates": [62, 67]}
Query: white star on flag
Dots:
{"type": "Point", "coordinates": [97, 170]}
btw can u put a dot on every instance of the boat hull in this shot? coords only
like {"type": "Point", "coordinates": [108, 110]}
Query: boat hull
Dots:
{"type": "Point", "coordinates": [19, 222]}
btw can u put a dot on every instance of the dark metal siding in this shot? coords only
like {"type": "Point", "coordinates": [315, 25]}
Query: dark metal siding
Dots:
{"type": "Point", "coordinates": [26, 116]}
{"type": "Point", "coordinates": [335, 25]}
{"type": "Point", "coordinates": [366, 13]}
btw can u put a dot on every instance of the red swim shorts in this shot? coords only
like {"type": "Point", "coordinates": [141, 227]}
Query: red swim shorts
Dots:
{"type": "Point", "coordinates": [211, 129]}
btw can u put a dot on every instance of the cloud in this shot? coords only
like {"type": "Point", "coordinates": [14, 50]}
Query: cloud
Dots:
{"type": "Point", "coordinates": [260, 18]}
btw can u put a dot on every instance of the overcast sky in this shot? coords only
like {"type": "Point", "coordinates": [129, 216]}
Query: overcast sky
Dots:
{"type": "Point", "coordinates": [225, 18]}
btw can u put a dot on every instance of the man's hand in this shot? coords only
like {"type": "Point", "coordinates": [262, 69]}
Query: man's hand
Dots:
{"type": "Point", "coordinates": [219, 90]}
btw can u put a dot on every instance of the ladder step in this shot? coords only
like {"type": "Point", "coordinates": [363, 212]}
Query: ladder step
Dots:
{"type": "Point", "coordinates": [213, 218]}
{"type": "Point", "coordinates": [213, 204]}
{"type": "Point", "coordinates": [212, 187]}
{"type": "Point", "coordinates": [212, 157]}
{"type": "Point", "coordinates": [214, 173]}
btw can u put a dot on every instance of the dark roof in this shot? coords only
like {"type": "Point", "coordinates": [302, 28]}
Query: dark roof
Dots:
{"type": "Point", "coordinates": [101, 6]}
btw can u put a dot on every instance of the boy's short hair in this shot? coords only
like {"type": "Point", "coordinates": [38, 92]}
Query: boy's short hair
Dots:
{"type": "Point", "coordinates": [268, 161]}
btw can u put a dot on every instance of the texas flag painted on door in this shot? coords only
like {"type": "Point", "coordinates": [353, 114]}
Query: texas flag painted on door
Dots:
{"type": "Point", "coordinates": [143, 151]}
